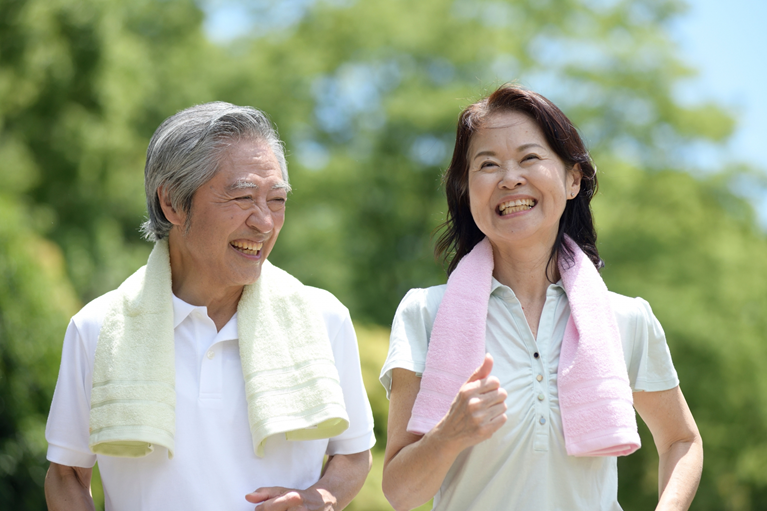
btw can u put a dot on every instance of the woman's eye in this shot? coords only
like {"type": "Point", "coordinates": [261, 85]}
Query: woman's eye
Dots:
{"type": "Point", "coordinates": [487, 164]}
{"type": "Point", "coordinates": [531, 157]}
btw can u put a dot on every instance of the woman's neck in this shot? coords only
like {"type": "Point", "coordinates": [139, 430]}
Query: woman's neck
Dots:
{"type": "Point", "coordinates": [524, 271]}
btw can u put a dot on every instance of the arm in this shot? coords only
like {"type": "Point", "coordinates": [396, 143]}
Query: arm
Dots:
{"type": "Point", "coordinates": [679, 445]}
{"type": "Point", "coordinates": [342, 479]}
{"type": "Point", "coordinates": [68, 488]}
{"type": "Point", "coordinates": [415, 466]}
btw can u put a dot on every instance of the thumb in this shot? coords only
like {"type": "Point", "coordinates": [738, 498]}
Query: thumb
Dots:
{"type": "Point", "coordinates": [483, 371]}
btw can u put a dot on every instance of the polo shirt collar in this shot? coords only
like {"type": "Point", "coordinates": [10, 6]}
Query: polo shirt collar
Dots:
{"type": "Point", "coordinates": [181, 310]}
{"type": "Point", "coordinates": [496, 288]}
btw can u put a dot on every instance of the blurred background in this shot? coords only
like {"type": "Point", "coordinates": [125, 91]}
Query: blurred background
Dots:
{"type": "Point", "coordinates": [366, 95]}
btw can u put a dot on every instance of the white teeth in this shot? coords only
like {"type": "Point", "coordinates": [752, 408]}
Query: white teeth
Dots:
{"type": "Point", "coordinates": [515, 206]}
{"type": "Point", "coordinates": [249, 247]}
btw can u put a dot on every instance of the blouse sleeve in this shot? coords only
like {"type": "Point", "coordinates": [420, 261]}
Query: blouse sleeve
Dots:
{"type": "Point", "coordinates": [647, 354]}
{"type": "Point", "coordinates": [410, 332]}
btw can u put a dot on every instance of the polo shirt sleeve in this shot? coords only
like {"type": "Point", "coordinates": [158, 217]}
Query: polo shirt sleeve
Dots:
{"type": "Point", "coordinates": [68, 420]}
{"type": "Point", "coordinates": [410, 333]}
{"type": "Point", "coordinates": [648, 357]}
{"type": "Point", "coordinates": [359, 436]}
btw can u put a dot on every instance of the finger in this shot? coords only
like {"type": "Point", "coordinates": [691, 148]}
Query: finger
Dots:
{"type": "Point", "coordinates": [489, 384]}
{"type": "Point", "coordinates": [484, 403]}
{"type": "Point", "coordinates": [483, 371]}
{"type": "Point", "coordinates": [496, 410]}
{"type": "Point", "coordinates": [498, 421]}
{"type": "Point", "coordinates": [263, 494]}
{"type": "Point", "coordinates": [288, 501]}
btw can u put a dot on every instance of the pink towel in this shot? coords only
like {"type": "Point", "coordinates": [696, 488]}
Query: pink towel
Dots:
{"type": "Point", "coordinates": [594, 393]}
{"type": "Point", "coordinates": [457, 345]}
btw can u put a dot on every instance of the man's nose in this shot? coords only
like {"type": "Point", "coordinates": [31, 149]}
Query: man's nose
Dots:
{"type": "Point", "coordinates": [260, 219]}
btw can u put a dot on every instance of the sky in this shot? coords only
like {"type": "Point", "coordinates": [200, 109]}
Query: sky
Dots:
{"type": "Point", "coordinates": [726, 41]}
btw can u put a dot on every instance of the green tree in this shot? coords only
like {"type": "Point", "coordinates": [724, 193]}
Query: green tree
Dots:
{"type": "Point", "coordinates": [366, 95]}
{"type": "Point", "coordinates": [36, 300]}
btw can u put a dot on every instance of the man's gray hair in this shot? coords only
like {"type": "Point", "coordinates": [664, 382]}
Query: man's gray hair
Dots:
{"type": "Point", "coordinates": [185, 153]}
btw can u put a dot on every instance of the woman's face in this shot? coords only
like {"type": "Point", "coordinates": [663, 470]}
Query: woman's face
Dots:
{"type": "Point", "coordinates": [518, 186]}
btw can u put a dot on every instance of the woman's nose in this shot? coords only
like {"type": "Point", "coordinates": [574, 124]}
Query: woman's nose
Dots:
{"type": "Point", "coordinates": [511, 177]}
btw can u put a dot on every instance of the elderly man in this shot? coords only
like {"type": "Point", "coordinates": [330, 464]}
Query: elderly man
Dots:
{"type": "Point", "coordinates": [210, 373]}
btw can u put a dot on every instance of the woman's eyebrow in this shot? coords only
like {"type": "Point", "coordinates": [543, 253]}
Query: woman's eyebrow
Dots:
{"type": "Point", "coordinates": [524, 147]}
{"type": "Point", "coordinates": [484, 153]}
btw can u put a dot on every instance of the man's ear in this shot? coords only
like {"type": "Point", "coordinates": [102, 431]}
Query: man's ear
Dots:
{"type": "Point", "coordinates": [173, 216]}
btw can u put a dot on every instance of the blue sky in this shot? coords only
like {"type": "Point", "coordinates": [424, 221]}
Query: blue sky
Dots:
{"type": "Point", "coordinates": [727, 42]}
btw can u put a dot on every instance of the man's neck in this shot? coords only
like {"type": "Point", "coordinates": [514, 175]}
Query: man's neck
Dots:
{"type": "Point", "coordinates": [199, 289]}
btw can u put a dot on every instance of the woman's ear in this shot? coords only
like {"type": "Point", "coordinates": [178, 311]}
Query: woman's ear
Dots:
{"type": "Point", "coordinates": [574, 176]}
{"type": "Point", "coordinates": [168, 210]}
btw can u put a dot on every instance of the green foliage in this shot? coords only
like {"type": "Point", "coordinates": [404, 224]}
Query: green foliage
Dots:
{"type": "Point", "coordinates": [36, 300]}
{"type": "Point", "coordinates": [692, 251]}
{"type": "Point", "coordinates": [366, 94]}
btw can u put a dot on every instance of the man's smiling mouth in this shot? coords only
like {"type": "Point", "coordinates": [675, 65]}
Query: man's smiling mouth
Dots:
{"type": "Point", "coordinates": [515, 206]}
{"type": "Point", "coordinates": [247, 247]}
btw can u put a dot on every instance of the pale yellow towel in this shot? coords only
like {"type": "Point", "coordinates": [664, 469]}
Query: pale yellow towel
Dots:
{"type": "Point", "coordinates": [291, 381]}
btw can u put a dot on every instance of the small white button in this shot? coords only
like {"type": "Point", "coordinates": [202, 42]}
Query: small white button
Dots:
{"type": "Point", "coordinates": [210, 354]}
{"type": "Point", "coordinates": [543, 420]}
{"type": "Point", "coordinates": [540, 397]}
{"type": "Point", "coordinates": [539, 377]}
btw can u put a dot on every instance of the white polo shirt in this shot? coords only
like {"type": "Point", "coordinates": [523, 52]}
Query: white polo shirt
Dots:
{"type": "Point", "coordinates": [524, 465]}
{"type": "Point", "coordinates": [214, 465]}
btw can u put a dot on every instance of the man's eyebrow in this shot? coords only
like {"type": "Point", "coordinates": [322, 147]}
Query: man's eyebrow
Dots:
{"type": "Point", "coordinates": [241, 184]}
{"type": "Point", "coordinates": [282, 185]}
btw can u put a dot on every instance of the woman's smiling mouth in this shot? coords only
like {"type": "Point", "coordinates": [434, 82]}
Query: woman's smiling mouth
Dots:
{"type": "Point", "coordinates": [515, 206]}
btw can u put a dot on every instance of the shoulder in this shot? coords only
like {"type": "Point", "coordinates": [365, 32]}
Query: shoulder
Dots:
{"type": "Point", "coordinates": [330, 308]}
{"type": "Point", "coordinates": [630, 311]}
{"type": "Point", "coordinates": [421, 303]}
{"type": "Point", "coordinates": [82, 335]}
{"type": "Point", "coordinates": [89, 319]}
{"type": "Point", "coordinates": [647, 355]}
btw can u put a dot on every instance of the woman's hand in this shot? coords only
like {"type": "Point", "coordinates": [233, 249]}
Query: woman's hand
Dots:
{"type": "Point", "coordinates": [477, 412]}
{"type": "Point", "coordinates": [415, 465]}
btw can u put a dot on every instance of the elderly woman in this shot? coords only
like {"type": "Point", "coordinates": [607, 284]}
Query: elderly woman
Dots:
{"type": "Point", "coordinates": [512, 386]}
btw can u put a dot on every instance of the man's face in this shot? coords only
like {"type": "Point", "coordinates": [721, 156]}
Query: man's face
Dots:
{"type": "Point", "coordinates": [234, 220]}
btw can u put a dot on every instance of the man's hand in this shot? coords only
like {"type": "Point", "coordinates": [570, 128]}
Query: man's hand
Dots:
{"type": "Point", "coordinates": [276, 498]}
{"type": "Point", "coordinates": [341, 480]}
